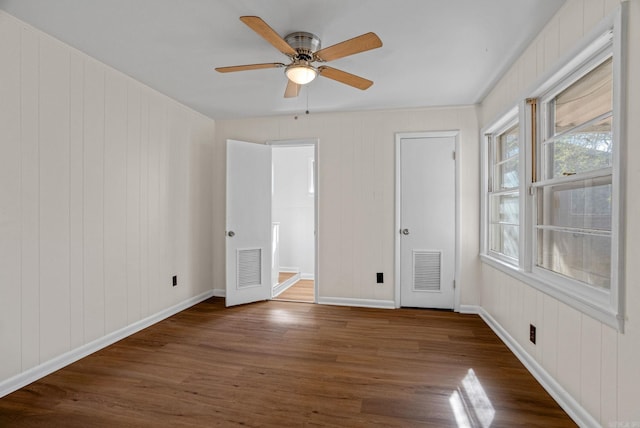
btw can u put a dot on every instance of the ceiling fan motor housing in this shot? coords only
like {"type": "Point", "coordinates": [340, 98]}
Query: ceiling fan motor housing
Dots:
{"type": "Point", "coordinates": [304, 43]}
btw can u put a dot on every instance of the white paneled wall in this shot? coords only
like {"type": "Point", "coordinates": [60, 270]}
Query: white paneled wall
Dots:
{"type": "Point", "coordinates": [595, 364]}
{"type": "Point", "coordinates": [356, 191]}
{"type": "Point", "coordinates": [105, 194]}
{"type": "Point", "coordinates": [108, 188]}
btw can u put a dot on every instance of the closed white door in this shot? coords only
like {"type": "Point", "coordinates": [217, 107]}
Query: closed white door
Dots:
{"type": "Point", "coordinates": [248, 231]}
{"type": "Point", "coordinates": [427, 232]}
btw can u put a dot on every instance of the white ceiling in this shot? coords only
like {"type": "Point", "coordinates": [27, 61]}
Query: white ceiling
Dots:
{"type": "Point", "coordinates": [434, 53]}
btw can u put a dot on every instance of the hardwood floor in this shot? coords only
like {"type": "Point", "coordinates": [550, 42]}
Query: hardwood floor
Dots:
{"type": "Point", "coordinates": [301, 291]}
{"type": "Point", "coordinates": [277, 364]}
{"type": "Point", "coordinates": [283, 276]}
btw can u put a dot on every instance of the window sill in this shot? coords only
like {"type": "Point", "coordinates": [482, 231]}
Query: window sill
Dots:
{"type": "Point", "coordinates": [603, 314]}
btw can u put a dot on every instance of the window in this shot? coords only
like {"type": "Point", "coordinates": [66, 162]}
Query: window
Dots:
{"type": "Point", "coordinates": [503, 200]}
{"type": "Point", "coordinates": [573, 227]}
{"type": "Point", "coordinates": [552, 212]}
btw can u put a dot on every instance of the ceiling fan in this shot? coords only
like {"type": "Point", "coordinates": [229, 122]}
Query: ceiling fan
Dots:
{"type": "Point", "coordinates": [303, 49]}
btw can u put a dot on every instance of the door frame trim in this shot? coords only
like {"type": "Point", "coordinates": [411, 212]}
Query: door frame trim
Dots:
{"type": "Point", "coordinates": [315, 142]}
{"type": "Point", "coordinates": [399, 136]}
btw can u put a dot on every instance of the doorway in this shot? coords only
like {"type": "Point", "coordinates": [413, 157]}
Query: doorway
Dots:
{"type": "Point", "coordinates": [426, 219]}
{"type": "Point", "coordinates": [293, 213]}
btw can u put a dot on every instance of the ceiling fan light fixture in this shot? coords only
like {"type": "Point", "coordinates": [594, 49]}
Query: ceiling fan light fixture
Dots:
{"type": "Point", "coordinates": [301, 73]}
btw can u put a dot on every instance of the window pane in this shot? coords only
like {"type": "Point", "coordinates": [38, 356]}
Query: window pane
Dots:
{"type": "Point", "coordinates": [505, 209]}
{"type": "Point", "coordinates": [504, 224]}
{"type": "Point", "coordinates": [505, 172]}
{"type": "Point", "coordinates": [506, 175]}
{"type": "Point", "coordinates": [586, 99]}
{"type": "Point", "coordinates": [585, 150]}
{"type": "Point", "coordinates": [585, 204]}
{"type": "Point", "coordinates": [504, 239]}
{"type": "Point", "coordinates": [507, 144]}
{"type": "Point", "coordinates": [503, 200]}
{"type": "Point", "coordinates": [586, 258]}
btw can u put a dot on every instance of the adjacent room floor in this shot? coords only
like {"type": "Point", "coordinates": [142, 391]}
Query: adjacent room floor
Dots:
{"type": "Point", "coordinates": [303, 290]}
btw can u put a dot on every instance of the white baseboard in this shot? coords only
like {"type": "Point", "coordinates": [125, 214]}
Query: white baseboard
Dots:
{"type": "Point", "coordinates": [469, 309]}
{"type": "Point", "coordinates": [283, 286]}
{"type": "Point", "coordinates": [31, 375]}
{"type": "Point", "coordinates": [569, 404]}
{"type": "Point", "coordinates": [289, 269]}
{"type": "Point", "coordinates": [307, 276]}
{"type": "Point", "coordinates": [364, 303]}
{"type": "Point", "coordinates": [219, 292]}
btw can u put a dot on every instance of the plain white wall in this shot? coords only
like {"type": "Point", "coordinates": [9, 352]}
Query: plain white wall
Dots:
{"type": "Point", "coordinates": [105, 194]}
{"type": "Point", "coordinates": [356, 190]}
{"type": "Point", "coordinates": [595, 364]}
{"type": "Point", "coordinates": [293, 207]}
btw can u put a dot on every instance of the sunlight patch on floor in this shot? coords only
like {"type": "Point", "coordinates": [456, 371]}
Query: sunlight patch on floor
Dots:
{"type": "Point", "coordinates": [471, 405]}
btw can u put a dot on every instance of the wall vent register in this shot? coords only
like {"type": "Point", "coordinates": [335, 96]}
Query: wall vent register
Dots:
{"type": "Point", "coordinates": [427, 270]}
{"type": "Point", "coordinates": [249, 268]}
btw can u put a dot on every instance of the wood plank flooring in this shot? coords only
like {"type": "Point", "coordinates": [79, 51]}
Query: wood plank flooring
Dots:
{"type": "Point", "coordinates": [283, 276]}
{"type": "Point", "coordinates": [301, 291]}
{"type": "Point", "coordinates": [280, 364]}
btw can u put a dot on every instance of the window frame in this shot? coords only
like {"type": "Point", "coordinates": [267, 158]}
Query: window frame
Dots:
{"type": "Point", "coordinates": [605, 40]}
{"type": "Point", "coordinates": [491, 134]}
{"type": "Point", "coordinates": [575, 287]}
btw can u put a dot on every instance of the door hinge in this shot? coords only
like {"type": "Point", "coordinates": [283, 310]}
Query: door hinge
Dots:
{"type": "Point", "coordinates": [454, 284]}
{"type": "Point", "coordinates": [532, 190]}
{"type": "Point", "coordinates": [454, 155]}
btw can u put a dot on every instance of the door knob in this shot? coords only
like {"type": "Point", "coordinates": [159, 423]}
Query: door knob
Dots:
{"type": "Point", "coordinates": [231, 234]}
{"type": "Point", "coordinates": [405, 231]}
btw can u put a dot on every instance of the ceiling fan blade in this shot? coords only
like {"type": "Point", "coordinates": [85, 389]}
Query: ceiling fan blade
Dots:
{"type": "Point", "coordinates": [293, 89]}
{"type": "Point", "coordinates": [356, 45]}
{"type": "Point", "coordinates": [249, 67]}
{"type": "Point", "coordinates": [262, 28]}
{"type": "Point", "coordinates": [344, 77]}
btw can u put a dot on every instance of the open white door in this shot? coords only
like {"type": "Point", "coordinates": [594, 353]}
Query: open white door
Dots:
{"type": "Point", "coordinates": [248, 246]}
